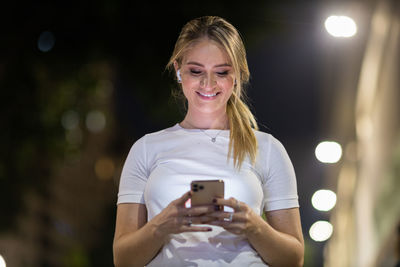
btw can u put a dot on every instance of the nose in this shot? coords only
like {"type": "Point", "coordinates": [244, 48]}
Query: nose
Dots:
{"type": "Point", "coordinates": [208, 82]}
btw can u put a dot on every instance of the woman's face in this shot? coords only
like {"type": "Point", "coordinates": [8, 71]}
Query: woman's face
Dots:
{"type": "Point", "coordinates": [207, 77]}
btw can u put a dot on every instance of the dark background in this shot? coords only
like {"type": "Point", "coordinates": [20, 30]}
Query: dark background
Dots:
{"type": "Point", "coordinates": [127, 44]}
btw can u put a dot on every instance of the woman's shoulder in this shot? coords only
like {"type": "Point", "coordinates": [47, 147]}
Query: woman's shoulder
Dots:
{"type": "Point", "coordinates": [158, 135]}
{"type": "Point", "coordinates": [267, 140]}
{"type": "Point", "coordinates": [167, 130]}
{"type": "Point", "coordinates": [264, 136]}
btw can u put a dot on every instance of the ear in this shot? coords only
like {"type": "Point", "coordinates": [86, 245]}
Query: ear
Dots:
{"type": "Point", "coordinates": [176, 66]}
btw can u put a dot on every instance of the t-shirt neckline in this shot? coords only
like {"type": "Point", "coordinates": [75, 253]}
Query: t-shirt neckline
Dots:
{"type": "Point", "coordinates": [178, 126]}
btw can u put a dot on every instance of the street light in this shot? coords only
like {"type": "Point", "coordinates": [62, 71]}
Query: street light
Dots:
{"type": "Point", "coordinates": [340, 26]}
{"type": "Point", "coordinates": [321, 231]}
{"type": "Point", "coordinates": [323, 200]}
{"type": "Point", "coordinates": [328, 152]}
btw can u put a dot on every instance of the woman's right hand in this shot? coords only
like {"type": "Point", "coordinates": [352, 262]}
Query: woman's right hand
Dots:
{"type": "Point", "coordinates": [176, 218]}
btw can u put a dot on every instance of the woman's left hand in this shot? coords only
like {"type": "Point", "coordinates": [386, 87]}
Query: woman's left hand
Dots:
{"type": "Point", "coordinates": [241, 221]}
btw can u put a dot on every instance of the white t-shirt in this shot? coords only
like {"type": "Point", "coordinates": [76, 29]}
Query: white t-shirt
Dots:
{"type": "Point", "coordinates": [161, 165]}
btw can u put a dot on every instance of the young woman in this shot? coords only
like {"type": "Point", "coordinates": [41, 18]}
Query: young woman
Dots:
{"type": "Point", "coordinates": [218, 139]}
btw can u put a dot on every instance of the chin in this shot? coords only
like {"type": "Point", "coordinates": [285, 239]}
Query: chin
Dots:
{"type": "Point", "coordinates": [210, 110]}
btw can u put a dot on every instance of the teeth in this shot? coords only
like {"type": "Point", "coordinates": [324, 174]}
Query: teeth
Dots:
{"type": "Point", "coordinates": [208, 95]}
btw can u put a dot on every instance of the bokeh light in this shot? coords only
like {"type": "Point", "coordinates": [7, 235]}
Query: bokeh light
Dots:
{"type": "Point", "coordinates": [321, 231]}
{"type": "Point", "coordinates": [340, 26]}
{"type": "Point", "coordinates": [46, 41]}
{"type": "Point", "coordinates": [2, 262]}
{"type": "Point", "coordinates": [323, 200]}
{"type": "Point", "coordinates": [104, 168]}
{"type": "Point", "coordinates": [70, 120]}
{"type": "Point", "coordinates": [328, 152]}
{"type": "Point", "coordinates": [95, 121]}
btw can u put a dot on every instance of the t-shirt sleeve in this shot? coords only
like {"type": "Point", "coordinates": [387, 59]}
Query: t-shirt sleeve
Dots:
{"type": "Point", "coordinates": [134, 175]}
{"type": "Point", "coordinates": [280, 188]}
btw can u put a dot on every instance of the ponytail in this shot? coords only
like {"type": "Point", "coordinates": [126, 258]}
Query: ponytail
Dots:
{"type": "Point", "coordinates": [242, 141]}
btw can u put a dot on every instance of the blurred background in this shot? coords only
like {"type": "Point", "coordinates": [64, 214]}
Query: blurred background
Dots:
{"type": "Point", "coordinates": [81, 81]}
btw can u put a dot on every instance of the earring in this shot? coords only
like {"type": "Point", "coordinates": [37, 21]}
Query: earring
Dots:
{"type": "Point", "coordinates": [178, 74]}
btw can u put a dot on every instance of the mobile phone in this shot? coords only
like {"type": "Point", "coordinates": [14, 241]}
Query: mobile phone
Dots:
{"type": "Point", "coordinates": [204, 191]}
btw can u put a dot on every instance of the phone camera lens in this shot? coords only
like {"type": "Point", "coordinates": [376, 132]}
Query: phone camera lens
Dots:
{"type": "Point", "coordinates": [195, 189]}
{"type": "Point", "coordinates": [201, 187]}
{"type": "Point", "coordinates": [195, 185]}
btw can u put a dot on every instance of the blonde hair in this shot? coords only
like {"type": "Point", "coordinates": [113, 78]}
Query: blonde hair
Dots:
{"type": "Point", "coordinates": [242, 141]}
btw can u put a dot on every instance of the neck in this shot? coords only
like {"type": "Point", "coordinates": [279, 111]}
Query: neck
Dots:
{"type": "Point", "coordinates": [205, 121]}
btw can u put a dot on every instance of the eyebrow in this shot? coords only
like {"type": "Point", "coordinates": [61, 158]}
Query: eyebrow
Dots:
{"type": "Point", "coordinates": [201, 65]}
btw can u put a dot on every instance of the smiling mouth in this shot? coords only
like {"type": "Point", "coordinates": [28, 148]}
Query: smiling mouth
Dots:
{"type": "Point", "coordinates": [208, 95]}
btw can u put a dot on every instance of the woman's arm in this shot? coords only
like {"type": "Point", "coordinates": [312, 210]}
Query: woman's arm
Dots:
{"type": "Point", "coordinates": [279, 240]}
{"type": "Point", "coordinates": [132, 234]}
{"type": "Point", "coordinates": [137, 241]}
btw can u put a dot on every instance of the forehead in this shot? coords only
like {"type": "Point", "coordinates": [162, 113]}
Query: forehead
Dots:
{"type": "Point", "coordinates": [206, 52]}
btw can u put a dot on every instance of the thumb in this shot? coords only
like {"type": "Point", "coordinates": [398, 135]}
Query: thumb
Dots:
{"type": "Point", "coordinates": [182, 200]}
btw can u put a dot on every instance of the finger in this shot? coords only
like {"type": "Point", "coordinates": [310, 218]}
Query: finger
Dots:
{"type": "Point", "coordinates": [230, 202]}
{"type": "Point", "coordinates": [186, 228]}
{"type": "Point", "coordinates": [237, 226]}
{"type": "Point", "coordinates": [201, 219]}
{"type": "Point", "coordinates": [194, 220]}
{"type": "Point", "coordinates": [185, 221]}
{"type": "Point", "coordinates": [221, 215]}
{"type": "Point", "coordinates": [237, 216]}
{"type": "Point", "coordinates": [196, 211]}
{"type": "Point", "coordinates": [182, 200]}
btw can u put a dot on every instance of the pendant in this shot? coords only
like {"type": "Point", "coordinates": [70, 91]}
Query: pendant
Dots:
{"type": "Point", "coordinates": [213, 139]}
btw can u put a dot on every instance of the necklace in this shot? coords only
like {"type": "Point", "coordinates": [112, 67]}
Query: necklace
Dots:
{"type": "Point", "coordinates": [213, 138]}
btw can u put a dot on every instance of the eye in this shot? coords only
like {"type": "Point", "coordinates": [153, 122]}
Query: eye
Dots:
{"type": "Point", "coordinates": [222, 73]}
{"type": "Point", "coordinates": [195, 72]}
